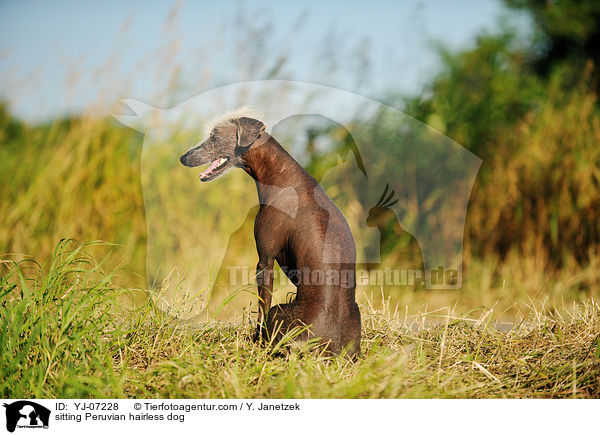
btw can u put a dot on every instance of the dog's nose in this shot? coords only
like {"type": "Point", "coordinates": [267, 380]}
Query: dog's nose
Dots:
{"type": "Point", "coordinates": [183, 159]}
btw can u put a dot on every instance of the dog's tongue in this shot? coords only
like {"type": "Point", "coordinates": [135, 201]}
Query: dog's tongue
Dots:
{"type": "Point", "coordinates": [211, 168]}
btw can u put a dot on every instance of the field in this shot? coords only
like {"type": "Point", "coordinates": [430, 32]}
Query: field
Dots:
{"type": "Point", "coordinates": [66, 333]}
{"type": "Point", "coordinates": [97, 222]}
{"type": "Point", "coordinates": [525, 323]}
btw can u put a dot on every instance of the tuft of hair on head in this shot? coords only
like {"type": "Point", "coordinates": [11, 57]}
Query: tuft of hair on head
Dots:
{"type": "Point", "coordinates": [240, 112]}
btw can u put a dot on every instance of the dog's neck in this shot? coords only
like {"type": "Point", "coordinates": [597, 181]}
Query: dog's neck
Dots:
{"type": "Point", "coordinates": [273, 169]}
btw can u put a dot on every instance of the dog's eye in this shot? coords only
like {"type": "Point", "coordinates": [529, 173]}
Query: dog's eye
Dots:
{"type": "Point", "coordinates": [259, 136]}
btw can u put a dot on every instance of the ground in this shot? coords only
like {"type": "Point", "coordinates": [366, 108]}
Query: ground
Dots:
{"type": "Point", "coordinates": [65, 332]}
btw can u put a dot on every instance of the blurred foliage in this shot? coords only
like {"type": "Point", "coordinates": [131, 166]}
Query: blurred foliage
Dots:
{"type": "Point", "coordinates": [567, 32]}
{"type": "Point", "coordinates": [528, 108]}
{"type": "Point", "coordinates": [530, 111]}
{"type": "Point", "coordinates": [72, 177]}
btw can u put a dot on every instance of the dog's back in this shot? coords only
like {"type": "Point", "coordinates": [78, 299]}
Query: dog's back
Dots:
{"type": "Point", "coordinates": [316, 249]}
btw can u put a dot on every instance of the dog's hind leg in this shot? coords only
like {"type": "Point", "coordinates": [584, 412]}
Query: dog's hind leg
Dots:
{"type": "Point", "coordinates": [282, 319]}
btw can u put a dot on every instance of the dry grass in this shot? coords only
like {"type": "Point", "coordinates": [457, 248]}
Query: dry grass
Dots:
{"type": "Point", "coordinates": [63, 334]}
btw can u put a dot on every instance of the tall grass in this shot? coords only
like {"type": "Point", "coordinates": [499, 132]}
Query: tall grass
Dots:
{"type": "Point", "coordinates": [539, 194]}
{"type": "Point", "coordinates": [54, 326]}
{"type": "Point", "coordinates": [536, 199]}
{"type": "Point", "coordinates": [63, 334]}
{"type": "Point", "coordinates": [76, 178]}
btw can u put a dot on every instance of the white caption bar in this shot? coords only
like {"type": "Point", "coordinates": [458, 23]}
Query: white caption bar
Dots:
{"type": "Point", "coordinates": [44, 416]}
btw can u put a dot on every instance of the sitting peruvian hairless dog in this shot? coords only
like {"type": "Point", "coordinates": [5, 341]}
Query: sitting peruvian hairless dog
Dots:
{"type": "Point", "coordinates": [299, 227]}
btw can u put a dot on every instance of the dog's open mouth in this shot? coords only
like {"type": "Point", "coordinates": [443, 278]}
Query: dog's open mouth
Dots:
{"type": "Point", "coordinates": [215, 167]}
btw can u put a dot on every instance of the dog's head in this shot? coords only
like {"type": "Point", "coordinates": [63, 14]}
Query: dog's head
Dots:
{"type": "Point", "coordinates": [225, 147]}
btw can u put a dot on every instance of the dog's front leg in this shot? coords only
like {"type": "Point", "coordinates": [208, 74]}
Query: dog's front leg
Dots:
{"type": "Point", "coordinates": [264, 279]}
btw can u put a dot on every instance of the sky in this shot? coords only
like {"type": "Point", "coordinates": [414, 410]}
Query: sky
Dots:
{"type": "Point", "coordinates": [65, 57]}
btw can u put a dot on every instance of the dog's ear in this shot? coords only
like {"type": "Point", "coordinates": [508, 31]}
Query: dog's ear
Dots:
{"type": "Point", "coordinates": [248, 130]}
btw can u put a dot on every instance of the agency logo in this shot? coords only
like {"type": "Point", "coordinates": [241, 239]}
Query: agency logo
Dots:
{"type": "Point", "coordinates": [402, 186]}
{"type": "Point", "coordinates": [24, 414]}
